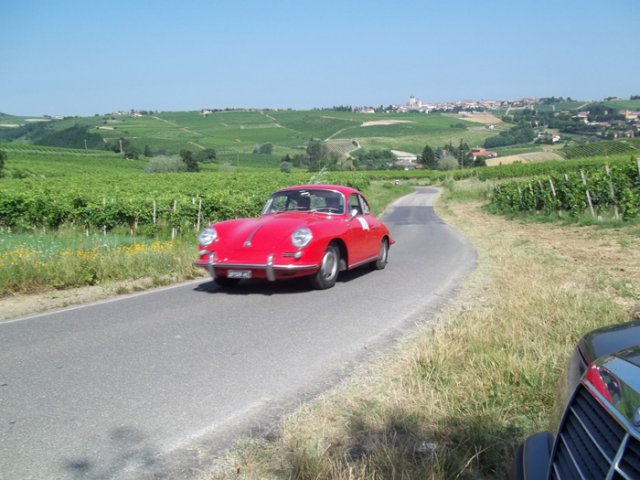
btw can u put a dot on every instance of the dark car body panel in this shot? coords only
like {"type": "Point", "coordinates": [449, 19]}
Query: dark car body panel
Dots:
{"type": "Point", "coordinates": [599, 432]}
{"type": "Point", "coordinates": [610, 339]}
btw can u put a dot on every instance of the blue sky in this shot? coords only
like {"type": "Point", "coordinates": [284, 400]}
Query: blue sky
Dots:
{"type": "Point", "coordinates": [73, 57]}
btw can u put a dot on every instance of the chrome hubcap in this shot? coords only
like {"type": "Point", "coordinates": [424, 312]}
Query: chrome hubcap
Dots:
{"type": "Point", "coordinates": [384, 251]}
{"type": "Point", "coordinates": [329, 264]}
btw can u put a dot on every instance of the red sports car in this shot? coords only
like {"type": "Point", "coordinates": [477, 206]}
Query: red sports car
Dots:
{"type": "Point", "coordinates": [308, 230]}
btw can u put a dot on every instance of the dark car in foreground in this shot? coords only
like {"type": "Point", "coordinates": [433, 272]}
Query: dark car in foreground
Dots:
{"type": "Point", "coordinates": [599, 432]}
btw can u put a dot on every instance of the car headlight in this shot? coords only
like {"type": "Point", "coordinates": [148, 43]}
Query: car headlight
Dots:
{"type": "Point", "coordinates": [301, 237]}
{"type": "Point", "coordinates": [207, 236]}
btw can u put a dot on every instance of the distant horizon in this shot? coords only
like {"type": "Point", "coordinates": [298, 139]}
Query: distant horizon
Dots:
{"type": "Point", "coordinates": [374, 105]}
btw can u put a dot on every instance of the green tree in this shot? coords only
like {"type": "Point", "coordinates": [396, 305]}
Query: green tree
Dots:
{"type": "Point", "coordinates": [463, 150]}
{"type": "Point", "coordinates": [263, 149]}
{"type": "Point", "coordinates": [428, 158]}
{"type": "Point", "coordinates": [299, 160]}
{"type": "Point", "coordinates": [189, 160]}
{"type": "Point", "coordinates": [77, 136]}
{"type": "Point", "coordinates": [207, 155]}
{"type": "Point", "coordinates": [3, 158]}
{"type": "Point", "coordinates": [285, 166]}
{"type": "Point", "coordinates": [147, 151]}
{"type": "Point", "coordinates": [124, 146]}
{"type": "Point", "coordinates": [316, 155]}
{"type": "Point", "coordinates": [448, 162]}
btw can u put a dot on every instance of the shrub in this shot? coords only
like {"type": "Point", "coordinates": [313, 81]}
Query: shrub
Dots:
{"type": "Point", "coordinates": [448, 162]}
{"type": "Point", "coordinates": [165, 164]}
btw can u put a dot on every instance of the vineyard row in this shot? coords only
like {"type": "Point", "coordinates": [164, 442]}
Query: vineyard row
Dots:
{"type": "Point", "coordinates": [181, 202]}
{"type": "Point", "coordinates": [608, 191]}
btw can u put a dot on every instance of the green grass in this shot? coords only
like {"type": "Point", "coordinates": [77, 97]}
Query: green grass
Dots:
{"type": "Point", "coordinates": [37, 262]}
{"type": "Point", "coordinates": [560, 107]}
{"type": "Point", "coordinates": [517, 149]}
{"type": "Point", "coordinates": [52, 162]}
{"type": "Point", "coordinates": [624, 104]}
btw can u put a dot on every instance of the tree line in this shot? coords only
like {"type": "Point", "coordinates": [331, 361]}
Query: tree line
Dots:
{"type": "Point", "coordinates": [450, 157]}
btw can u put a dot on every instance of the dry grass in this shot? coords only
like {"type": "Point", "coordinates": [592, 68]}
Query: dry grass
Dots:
{"type": "Point", "coordinates": [485, 118]}
{"type": "Point", "coordinates": [524, 158]}
{"type": "Point", "coordinates": [455, 401]}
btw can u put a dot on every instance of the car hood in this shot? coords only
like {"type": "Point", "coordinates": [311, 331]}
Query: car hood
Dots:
{"type": "Point", "coordinates": [610, 339]}
{"type": "Point", "coordinates": [268, 231]}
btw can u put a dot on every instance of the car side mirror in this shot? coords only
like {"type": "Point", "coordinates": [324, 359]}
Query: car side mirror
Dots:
{"type": "Point", "coordinates": [353, 213]}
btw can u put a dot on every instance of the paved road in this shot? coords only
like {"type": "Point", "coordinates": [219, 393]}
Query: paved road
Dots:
{"type": "Point", "coordinates": [156, 382]}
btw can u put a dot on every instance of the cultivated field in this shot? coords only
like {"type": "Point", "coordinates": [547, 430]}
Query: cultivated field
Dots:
{"type": "Point", "coordinates": [523, 158]}
{"type": "Point", "coordinates": [234, 133]}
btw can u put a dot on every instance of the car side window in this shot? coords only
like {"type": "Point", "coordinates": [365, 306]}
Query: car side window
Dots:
{"type": "Point", "coordinates": [365, 206]}
{"type": "Point", "coordinates": [354, 203]}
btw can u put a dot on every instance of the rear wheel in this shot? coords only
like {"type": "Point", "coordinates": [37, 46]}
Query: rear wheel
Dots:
{"type": "Point", "coordinates": [327, 274]}
{"type": "Point", "coordinates": [383, 256]}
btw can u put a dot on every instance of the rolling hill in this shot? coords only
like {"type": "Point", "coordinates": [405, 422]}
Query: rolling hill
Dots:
{"type": "Point", "coordinates": [235, 133]}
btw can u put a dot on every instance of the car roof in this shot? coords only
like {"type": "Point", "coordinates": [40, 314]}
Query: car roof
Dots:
{"type": "Point", "coordinates": [339, 188]}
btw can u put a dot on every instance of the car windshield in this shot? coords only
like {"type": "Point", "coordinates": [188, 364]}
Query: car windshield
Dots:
{"type": "Point", "coordinates": [305, 200]}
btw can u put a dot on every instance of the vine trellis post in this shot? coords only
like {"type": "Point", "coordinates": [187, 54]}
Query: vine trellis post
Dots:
{"type": "Point", "coordinates": [173, 229]}
{"type": "Point", "coordinates": [584, 182]}
{"type": "Point", "coordinates": [555, 195]}
{"type": "Point", "coordinates": [612, 193]}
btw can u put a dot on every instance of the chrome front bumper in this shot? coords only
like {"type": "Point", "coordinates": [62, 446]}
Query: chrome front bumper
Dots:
{"type": "Point", "coordinates": [269, 267]}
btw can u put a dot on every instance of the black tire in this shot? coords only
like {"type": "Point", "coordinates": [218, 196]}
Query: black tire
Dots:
{"type": "Point", "coordinates": [383, 256]}
{"type": "Point", "coordinates": [327, 274]}
{"type": "Point", "coordinates": [225, 282]}
{"type": "Point", "coordinates": [533, 457]}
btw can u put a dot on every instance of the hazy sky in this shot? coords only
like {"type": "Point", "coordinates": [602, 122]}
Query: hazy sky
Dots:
{"type": "Point", "coordinates": [72, 57]}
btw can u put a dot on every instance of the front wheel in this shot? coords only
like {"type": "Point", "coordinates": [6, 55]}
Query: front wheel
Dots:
{"type": "Point", "coordinates": [327, 274]}
{"type": "Point", "coordinates": [383, 256]}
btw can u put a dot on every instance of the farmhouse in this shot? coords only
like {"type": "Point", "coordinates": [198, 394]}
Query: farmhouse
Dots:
{"type": "Point", "coordinates": [582, 116]}
{"type": "Point", "coordinates": [481, 152]}
{"type": "Point", "coordinates": [631, 116]}
{"type": "Point", "coordinates": [406, 160]}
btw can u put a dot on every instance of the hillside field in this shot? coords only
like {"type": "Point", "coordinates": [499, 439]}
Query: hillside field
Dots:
{"type": "Point", "coordinates": [233, 133]}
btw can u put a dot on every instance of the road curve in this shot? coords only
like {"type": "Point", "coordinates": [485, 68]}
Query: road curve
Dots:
{"type": "Point", "coordinates": [155, 383]}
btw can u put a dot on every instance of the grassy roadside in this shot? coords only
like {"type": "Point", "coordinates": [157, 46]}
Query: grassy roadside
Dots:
{"type": "Point", "coordinates": [43, 271]}
{"type": "Point", "coordinates": [37, 262]}
{"type": "Point", "coordinates": [455, 401]}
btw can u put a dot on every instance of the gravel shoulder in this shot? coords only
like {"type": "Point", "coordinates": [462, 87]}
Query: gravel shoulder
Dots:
{"type": "Point", "coordinates": [23, 305]}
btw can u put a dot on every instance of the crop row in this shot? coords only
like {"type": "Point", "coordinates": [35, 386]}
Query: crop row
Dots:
{"type": "Point", "coordinates": [599, 148]}
{"type": "Point", "coordinates": [43, 150]}
{"type": "Point", "coordinates": [551, 167]}
{"type": "Point", "coordinates": [607, 191]}
{"type": "Point", "coordinates": [182, 202]}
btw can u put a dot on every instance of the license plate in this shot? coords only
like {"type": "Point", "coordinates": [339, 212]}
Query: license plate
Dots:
{"type": "Point", "coordinates": [239, 274]}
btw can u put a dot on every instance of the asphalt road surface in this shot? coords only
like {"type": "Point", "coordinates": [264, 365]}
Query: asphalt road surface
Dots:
{"type": "Point", "coordinates": [152, 385]}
